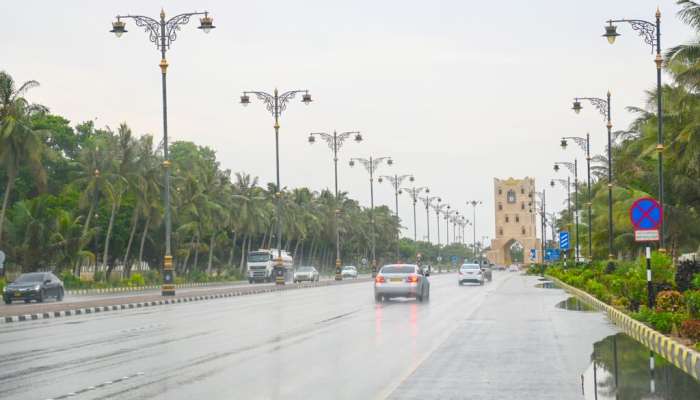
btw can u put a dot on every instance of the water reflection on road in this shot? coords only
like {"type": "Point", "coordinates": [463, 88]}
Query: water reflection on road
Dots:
{"type": "Point", "coordinates": [623, 369]}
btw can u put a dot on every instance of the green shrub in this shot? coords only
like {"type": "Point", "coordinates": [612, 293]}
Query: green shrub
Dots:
{"type": "Point", "coordinates": [643, 315]}
{"type": "Point", "coordinates": [71, 281]}
{"type": "Point", "coordinates": [99, 276]}
{"type": "Point", "coordinates": [669, 301]}
{"type": "Point", "coordinates": [662, 321]}
{"type": "Point", "coordinates": [137, 280]}
{"type": "Point", "coordinates": [152, 277]}
{"type": "Point", "coordinates": [692, 302]}
{"type": "Point", "coordinates": [2, 283]}
{"type": "Point", "coordinates": [691, 329]}
{"type": "Point", "coordinates": [696, 281]}
{"type": "Point", "coordinates": [685, 272]}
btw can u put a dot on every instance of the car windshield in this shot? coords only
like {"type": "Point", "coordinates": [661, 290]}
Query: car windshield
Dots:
{"type": "Point", "coordinates": [259, 257]}
{"type": "Point", "coordinates": [349, 268]}
{"type": "Point", "coordinates": [470, 266]}
{"type": "Point", "coordinates": [305, 269]}
{"type": "Point", "coordinates": [34, 277]}
{"type": "Point", "coordinates": [398, 270]}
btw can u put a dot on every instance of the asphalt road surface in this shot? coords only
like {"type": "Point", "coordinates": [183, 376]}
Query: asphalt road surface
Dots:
{"type": "Point", "coordinates": [503, 340]}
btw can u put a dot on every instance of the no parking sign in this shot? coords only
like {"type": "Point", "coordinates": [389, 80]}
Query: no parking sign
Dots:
{"type": "Point", "coordinates": [646, 215]}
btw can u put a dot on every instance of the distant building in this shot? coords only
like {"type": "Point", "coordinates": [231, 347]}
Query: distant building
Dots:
{"type": "Point", "coordinates": [514, 201]}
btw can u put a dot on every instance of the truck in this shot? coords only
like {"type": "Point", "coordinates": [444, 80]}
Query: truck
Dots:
{"type": "Point", "coordinates": [261, 263]}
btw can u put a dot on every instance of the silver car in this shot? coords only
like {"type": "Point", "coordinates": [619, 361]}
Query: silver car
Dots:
{"type": "Point", "coordinates": [470, 273]}
{"type": "Point", "coordinates": [349, 271]}
{"type": "Point", "coordinates": [401, 280]}
{"type": "Point", "coordinates": [306, 274]}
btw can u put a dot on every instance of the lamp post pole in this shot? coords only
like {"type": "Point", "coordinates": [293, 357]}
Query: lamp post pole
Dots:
{"type": "Point", "coordinates": [371, 164]}
{"type": "Point", "coordinates": [573, 168]}
{"type": "Point", "coordinates": [396, 181]}
{"type": "Point", "coordinates": [335, 142]}
{"type": "Point", "coordinates": [438, 208]}
{"type": "Point", "coordinates": [414, 192]}
{"type": "Point", "coordinates": [567, 184]}
{"type": "Point", "coordinates": [585, 144]}
{"type": "Point", "coordinates": [162, 33]}
{"type": "Point", "coordinates": [603, 106]}
{"type": "Point", "coordinates": [651, 34]}
{"type": "Point", "coordinates": [276, 103]}
{"type": "Point", "coordinates": [474, 203]}
{"type": "Point", "coordinates": [427, 202]}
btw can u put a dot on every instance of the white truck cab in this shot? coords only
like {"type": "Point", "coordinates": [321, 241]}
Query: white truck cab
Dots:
{"type": "Point", "coordinates": [262, 262]}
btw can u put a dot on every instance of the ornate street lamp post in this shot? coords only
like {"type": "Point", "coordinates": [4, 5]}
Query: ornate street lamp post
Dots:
{"type": "Point", "coordinates": [427, 202]}
{"type": "Point", "coordinates": [651, 34]}
{"type": "Point", "coordinates": [603, 106]}
{"type": "Point", "coordinates": [438, 207]}
{"type": "Point", "coordinates": [585, 144]}
{"type": "Point", "coordinates": [573, 168]}
{"type": "Point", "coordinates": [567, 185]}
{"type": "Point", "coordinates": [163, 33]}
{"type": "Point", "coordinates": [371, 164]}
{"type": "Point", "coordinates": [474, 203]}
{"type": "Point", "coordinates": [276, 103]}
{"type": "Point", "coordinates": [414, 192]}
{"type": "Point", "coordinates": [335, 142]}
{"type": "Point", "coordinates": [396, 181]}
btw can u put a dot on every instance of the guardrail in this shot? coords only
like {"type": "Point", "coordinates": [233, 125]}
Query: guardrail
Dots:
{"type": "Point", "coordinates": [124, 289]}
{"type": "Point", "coordinates": [676, 353]}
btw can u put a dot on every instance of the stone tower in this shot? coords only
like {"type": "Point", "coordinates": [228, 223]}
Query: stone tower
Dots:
{"type": "Point", "coordinates": [514, 201]}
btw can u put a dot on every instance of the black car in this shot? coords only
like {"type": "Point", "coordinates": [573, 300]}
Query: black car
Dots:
{"type": "Point", "coordinates": [34, 286]}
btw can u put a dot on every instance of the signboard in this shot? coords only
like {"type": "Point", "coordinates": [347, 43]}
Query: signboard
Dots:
{"type": "Point", "coordinates": [551, 255]}
{"type": "Point", "coordinates": [454, 260]}
{"type": "Point", "coordinates": [439, 258]}
{"type": "Point", "coordinates": [646, 215]}
{"type": "Point", "coordinates": [364, 261]}
{"type": "Point", "coordinates": [646, 235]}
{"type": "Point", "coordinates": [564, 240]}
{"type": "Point", "coordinates": [533, 254]}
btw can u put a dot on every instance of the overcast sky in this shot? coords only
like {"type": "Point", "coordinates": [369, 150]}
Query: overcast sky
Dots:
{"type": "Point", "coordinates": [456, 91]}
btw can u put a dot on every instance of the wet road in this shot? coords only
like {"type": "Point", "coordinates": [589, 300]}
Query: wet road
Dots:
{"type": "Point", "coordinates": [326, 342]}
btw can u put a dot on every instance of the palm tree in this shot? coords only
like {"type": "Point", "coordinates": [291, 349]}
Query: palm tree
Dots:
{"type": "Point", "coordinates": [20, 143]}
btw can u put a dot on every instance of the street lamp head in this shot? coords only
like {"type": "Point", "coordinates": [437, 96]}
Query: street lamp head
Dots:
{"type": "Point", "coordinates": [400, 191]}
{"type": "Point", "coordinates": [551, 183]}
{"type": "Point", "coordinates": [306, 98]}
{"type": "Point", "coordinates": [611, 33]}
{"type": "Point", "coordinates": [358, 137]}
{"type": "Point", "coordinates": [245, 99]}
{"type": "Point", "coordinates": [352, 163]}
{"type": "Point", "coordinates": [380, 179]}
{"type": "Point", "coordinates": [118, 27]}
{"type": "Point", "coordinates": [206, 23]}
{"type": "Point", "coordinates": [563, 143]}
{"type": "Point", "coordinates": [390, 162]}
{"type": "Point", "coordinates": [427, 190]}
{"type": "Point", "coordinates": [411, 178]}
{"type": "Point", "coordinates": [312, 139]}
{"type": "Point", "coordinates": [439, 199]}
{"type": "Point", "coordinates": [556, 167]}
{"type": "Point", "coordinates": [577, 106]}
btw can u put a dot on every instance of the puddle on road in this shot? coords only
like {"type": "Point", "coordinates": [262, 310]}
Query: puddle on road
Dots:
{"type": "Point", "coordinates": [574, 304]}
{"type": "Point", "coordinates": [620, 369]}
{"type": "Point", "coordinates": [546, 285]}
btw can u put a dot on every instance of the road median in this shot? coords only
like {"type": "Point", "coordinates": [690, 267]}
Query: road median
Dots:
{"type": "Point", "coordinates": [680, 355]}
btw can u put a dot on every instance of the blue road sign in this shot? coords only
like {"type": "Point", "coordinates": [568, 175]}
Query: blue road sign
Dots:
{"type": "Point", "coordinates": [551, 255]}
{"type": "Point", "coordinates": [564, 240]}
{"type": "Point", "coordinates": [454, 260]}
{"type": "Point", "coordinates": [646, 213]}
{"type": "Point", "coordinates": [533, 254]}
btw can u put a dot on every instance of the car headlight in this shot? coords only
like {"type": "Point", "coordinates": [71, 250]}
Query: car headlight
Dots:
{"type": "Point", "coordinates": [37, 287]}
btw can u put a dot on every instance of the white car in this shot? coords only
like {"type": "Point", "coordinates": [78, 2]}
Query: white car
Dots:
{"type": "Point", "coordinates": [349, 271]}
{"type": "Point", "coordinates": [470, 273]}
{"type": "Point", "coordinates": [513, 268]}
{"type": "Point", "coordinates": [306, 274]}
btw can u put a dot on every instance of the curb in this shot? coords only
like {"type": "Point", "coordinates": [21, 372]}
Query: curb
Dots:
{"type": "Point", "coordinates": [683, 357]}
{"type": "Point", "coordinates": [129, 306]}
{"type": "Point", "coordinates": [75, 292]}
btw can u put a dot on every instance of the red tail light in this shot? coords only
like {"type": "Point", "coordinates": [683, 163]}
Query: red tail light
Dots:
{"type": "Point", "coordinates": [412, 279]}
{"type": "Point", "coordinates": [379, 279]}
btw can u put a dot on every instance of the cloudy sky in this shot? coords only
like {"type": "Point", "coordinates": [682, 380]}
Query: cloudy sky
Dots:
{"type": "Point", "coordinates": [456, 91]}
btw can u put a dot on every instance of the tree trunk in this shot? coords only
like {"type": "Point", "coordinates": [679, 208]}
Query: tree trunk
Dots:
{"type": "Point", "coordinates": [233, 246]}
{"type": "Point", "coordinates": [187, 257]}
{"type": "Point", "coordinates": [296, 248]}
{"type": "Point", "coordinates": [196, 253]}
{"type": "Point", "coordinates": [6, 200]}
{"type": "Point", "coordinates": [269, 236]}
{"type": "Point", "coordinates": [85, 231]}
{"type": "Point", "coordinates": [134, 222]}
{"type": "Point", "coordinates": [115, 206]}
{"type": "Point", "coordinates": [211, 254]}
{"type": "Point", "coordinates": [245, 239]}
{"type": "Point", "coordinates": [289, 243]}
{"type": "Point", "coordinates": [143, 238]}
{"type": "Point", "coordinates": [262, 244]}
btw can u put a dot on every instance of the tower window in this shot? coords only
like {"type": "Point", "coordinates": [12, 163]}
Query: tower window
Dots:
{"type": "Point", "coordinates": [507, 219]}
{"type": "Point", "coordinates": [511, 196]}
{"type": "Point", "coordinates": [522, 205]}
{"type": "Point", "coordinates": [500, 206]}
{"type": "Point", "coordinates": [523, 230]}
{"type": "Point", "coordinates": [517, 218]}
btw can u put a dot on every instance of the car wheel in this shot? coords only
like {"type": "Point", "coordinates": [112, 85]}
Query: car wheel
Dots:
{"type": "Point", "coordinates": [8, 301]}
{"type": "Point", "coordinates": [250, 281]}
{"type": "Point", "coordinates": [427, 297]}
{"type": "Point", "coordinates": [60, 295]}
{"type": "Point", "coordinates": [377, 298]}
{"type": "Point", "coordinates": [42, 296]}
{"type": "Point", "coordinates": [481, 283]}
{"type": "Point", "coordinates": [27, 301]}
{"type": "Point", "coordinates": [460, 283]}
{"type": "Point", "coordinates": [419, 297]}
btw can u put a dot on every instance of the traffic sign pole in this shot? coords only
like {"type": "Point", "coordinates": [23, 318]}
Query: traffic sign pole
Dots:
{"type": "Point", "coordinates": [650, 289]}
